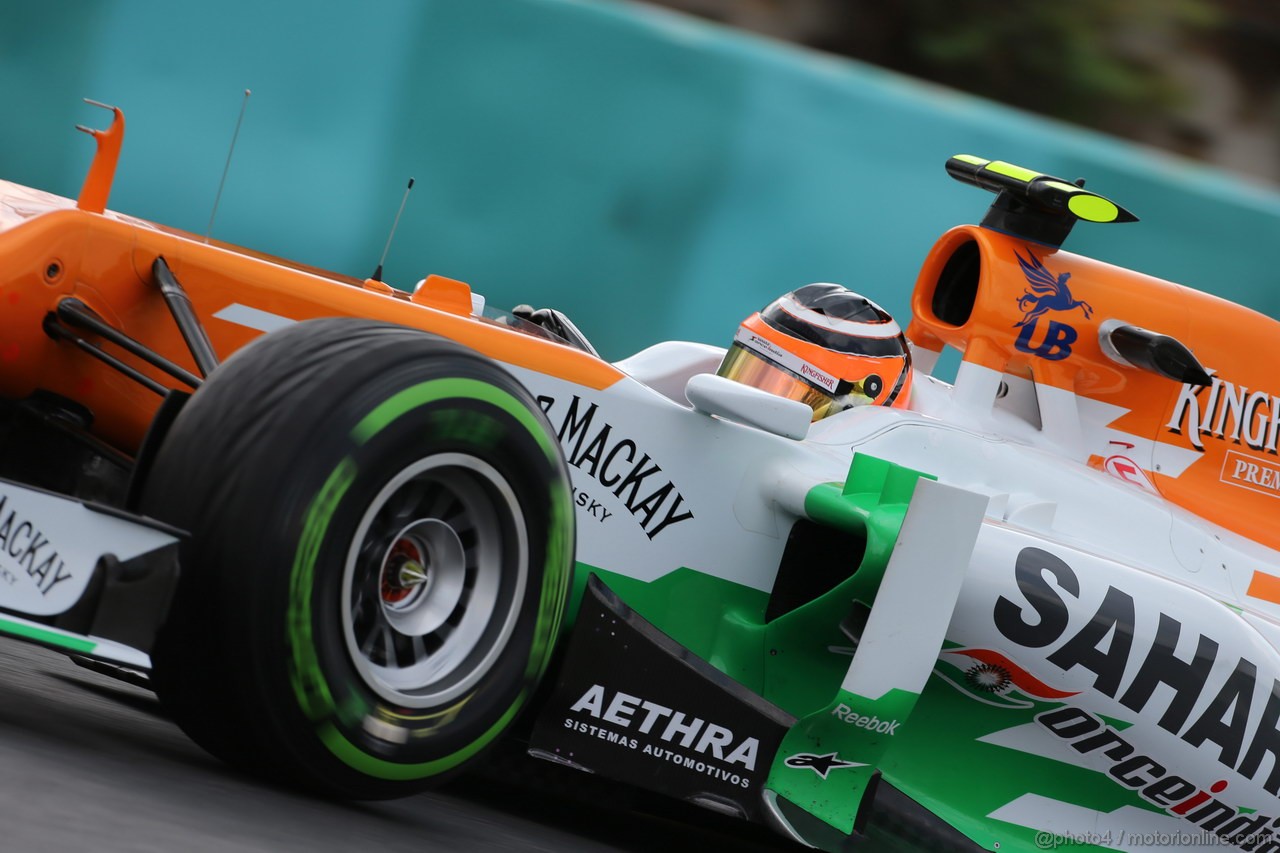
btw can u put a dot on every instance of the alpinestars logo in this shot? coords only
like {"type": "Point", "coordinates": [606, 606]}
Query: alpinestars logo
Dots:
{"type": "Point", "coordinates": [820, 764]}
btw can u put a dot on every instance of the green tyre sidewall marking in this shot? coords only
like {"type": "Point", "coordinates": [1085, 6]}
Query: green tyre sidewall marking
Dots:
{"type": "Point", "coordinates": [440, 389]}
{"type": "Point", "coordinates": [311, 688]}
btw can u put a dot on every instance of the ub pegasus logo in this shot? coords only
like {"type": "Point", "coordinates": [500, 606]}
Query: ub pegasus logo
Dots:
{"type": "Point", "coordinates": [1046, 292]}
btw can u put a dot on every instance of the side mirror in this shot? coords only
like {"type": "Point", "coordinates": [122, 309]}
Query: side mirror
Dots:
{"type": "Point", "coordinates": [1152, 352]}
{"type": "Point", "coordinates": [743, 404]}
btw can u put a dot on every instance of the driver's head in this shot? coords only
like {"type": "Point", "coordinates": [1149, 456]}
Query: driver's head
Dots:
{"type": "Point", "coordinates": [825, 346]}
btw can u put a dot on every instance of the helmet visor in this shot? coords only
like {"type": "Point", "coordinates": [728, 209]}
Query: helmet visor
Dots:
{"type": "Point", "coordinates": [742, 365]}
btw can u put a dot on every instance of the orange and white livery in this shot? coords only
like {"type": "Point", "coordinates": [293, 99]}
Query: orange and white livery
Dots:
{"type": "Point", "coordinates": [411, 517]}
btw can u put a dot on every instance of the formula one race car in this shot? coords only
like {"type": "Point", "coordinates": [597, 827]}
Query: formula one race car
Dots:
{"type": "Point", "coordinates": [354, 536]}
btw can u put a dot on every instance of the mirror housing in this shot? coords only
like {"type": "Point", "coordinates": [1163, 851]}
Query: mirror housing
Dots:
{"type": "Point", "coordinates": [743, 404]}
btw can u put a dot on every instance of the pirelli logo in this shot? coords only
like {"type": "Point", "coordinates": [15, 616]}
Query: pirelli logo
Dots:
{"type": "Point", "coordinates": [1252, 473]}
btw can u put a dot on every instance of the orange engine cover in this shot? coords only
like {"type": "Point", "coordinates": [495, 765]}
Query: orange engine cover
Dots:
{"type": "Point", "coordinates": [1032, 311]}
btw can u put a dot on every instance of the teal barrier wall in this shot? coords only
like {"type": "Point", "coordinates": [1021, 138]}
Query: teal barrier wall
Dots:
{"type": "Point", "coordinates": [653, 176]}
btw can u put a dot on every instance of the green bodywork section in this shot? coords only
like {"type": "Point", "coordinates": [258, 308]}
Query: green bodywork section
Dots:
{"type": "Point", "coordinates": [731, 637]}
{"type": "Point", "coordinates": [940, 762]}
{"type": "Point", "coordinates": [852, 727]}
{"type": "Point", "coordinates": [798, 661]}
{"type": "Point", "coordinates": [786, 660]}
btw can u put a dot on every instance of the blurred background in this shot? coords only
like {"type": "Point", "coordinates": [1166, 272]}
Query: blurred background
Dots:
{"type": "Point", "coordinates": [1197, 77]}
{"type": "Point", "coordinates": [661, 170]}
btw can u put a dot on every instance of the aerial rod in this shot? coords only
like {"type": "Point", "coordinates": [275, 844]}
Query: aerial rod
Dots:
{"type": "Point", "coordinates": [377, 273]}
{"type": "Point", "coordinates": [226, 168]}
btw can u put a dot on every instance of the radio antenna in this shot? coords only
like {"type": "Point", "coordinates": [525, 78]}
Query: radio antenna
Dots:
{"type": "Point", "coordinates": [377, 274]}
{"type": "Point", "coordinates": [218, 198]}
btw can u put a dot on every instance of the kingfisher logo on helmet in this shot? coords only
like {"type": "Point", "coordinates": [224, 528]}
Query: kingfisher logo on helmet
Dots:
{"type": "Point", "coordinates": [810, 372]}
{"type": "Point", "coordinates": [825, 346]}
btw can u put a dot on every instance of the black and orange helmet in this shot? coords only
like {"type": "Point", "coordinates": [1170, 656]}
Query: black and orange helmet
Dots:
{"type": "Point", "coordinates": [825, 346]}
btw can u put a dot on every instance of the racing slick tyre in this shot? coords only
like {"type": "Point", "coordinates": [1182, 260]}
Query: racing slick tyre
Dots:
{"type": "Point", "coordinates": [380, 551]}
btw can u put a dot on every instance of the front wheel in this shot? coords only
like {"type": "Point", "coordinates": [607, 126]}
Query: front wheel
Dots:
{"type": "Point", "coordinates": [380, 554]}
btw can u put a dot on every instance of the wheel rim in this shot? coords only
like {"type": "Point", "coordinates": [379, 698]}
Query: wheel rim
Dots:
{"type": "Point", "coordinates": [434, 579]}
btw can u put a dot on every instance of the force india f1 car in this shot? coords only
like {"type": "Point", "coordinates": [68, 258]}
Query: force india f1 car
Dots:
{"type": "Point", "coordinates": [353, 536]}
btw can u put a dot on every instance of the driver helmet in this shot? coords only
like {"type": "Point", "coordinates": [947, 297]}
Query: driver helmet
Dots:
{"type": "Point", "coordinates": [825, 346]}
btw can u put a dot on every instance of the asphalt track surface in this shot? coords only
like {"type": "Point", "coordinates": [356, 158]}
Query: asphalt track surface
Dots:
{"type": "Point", "coordinates": [88, 763]}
